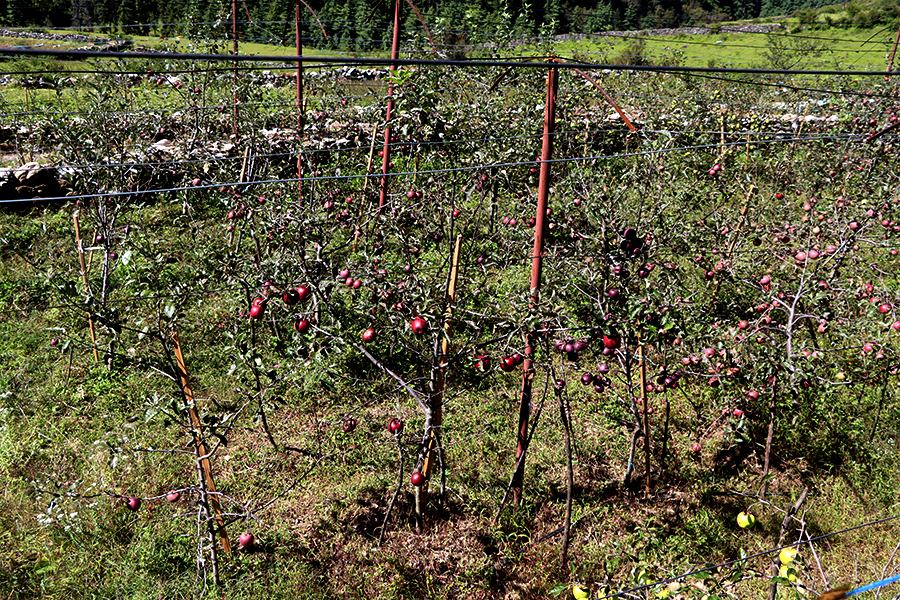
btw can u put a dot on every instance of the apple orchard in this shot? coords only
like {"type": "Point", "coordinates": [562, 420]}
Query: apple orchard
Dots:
{"type": "Point", "coordinates": [709, 287]}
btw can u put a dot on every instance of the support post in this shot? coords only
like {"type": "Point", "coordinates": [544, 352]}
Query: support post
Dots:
{"type": "Point", "coordinates": [201, 447]}
{"type": "Point", "coordinates": [543, 192]}
{"type": "Point", "coordinates": [386, 154]}
{"type": "Point", "coordinates": [894, 50]}
{"type": "Point", "coordinates": [87, 288]}
{"type": "Point", "coordinates": [437, 394]}
{"type": "Point", "coordinates": [300, 115]}
{"type": "Point", "coordinates": [234, 66]}
{"type": "Point", "coordinates": [645, 421]}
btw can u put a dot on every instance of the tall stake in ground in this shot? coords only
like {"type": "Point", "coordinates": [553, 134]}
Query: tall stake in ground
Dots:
{"type": "Point", "coordinates": [84, 278]}
{"type": "Point", "coordinates": [300, 112]}
{"type": "Point", "coordinates": [299, 104]}
{"type": "Point", "coordinates": [543, 192]}
{"type": "Point", "coordinates": [646, 418]}
{"type": "Point", "coordinates": [202, 451]}
{"type": "Point", "coordinates": [386, 154]}
{"type": "Point", "coordinates": [437, 393]}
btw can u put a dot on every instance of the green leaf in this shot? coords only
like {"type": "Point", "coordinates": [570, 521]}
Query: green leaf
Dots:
{"type": "Point", "coordinates": [558, 589]}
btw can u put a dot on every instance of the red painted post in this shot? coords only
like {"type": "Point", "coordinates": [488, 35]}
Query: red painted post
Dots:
{"type": "Point", "coordinates": [386, 153]}
{"type": "Point", "coordinates": [543, 191]}
{"type": "Point", "coordinates": [894, 51]}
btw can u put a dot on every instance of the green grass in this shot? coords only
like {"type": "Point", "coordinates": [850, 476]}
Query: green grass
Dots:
{"type": "Point", "coordinates": [840, 48]}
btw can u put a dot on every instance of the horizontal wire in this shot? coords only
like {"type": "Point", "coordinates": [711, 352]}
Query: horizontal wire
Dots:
{"type": "Point", "coordinates": [846, 137]}
{"type": "Point", "coordinates": [347, 60]}
{"type": "Point", "coordinates": [396, 145]}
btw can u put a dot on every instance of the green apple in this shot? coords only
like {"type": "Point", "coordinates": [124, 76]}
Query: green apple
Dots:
{"type": "Point", "coordinates": [579, 593]}
{"type": "Point", "coordinates": [746, 520]}
{"type": "Point", "coordinates": [787, 555]}
{"type": "Point", "coordinates": [788, 573]}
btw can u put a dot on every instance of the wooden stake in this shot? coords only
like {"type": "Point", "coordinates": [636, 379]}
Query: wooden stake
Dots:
{"type": "Point", "coordinates": [646, 419]}
{"type": "Point", "coordinates": [366, 182]}
{"type": "Point", "coordinates": [201, 447]}
{"type": "Point", "coordinates": [386, 158]}
{"type": "Point", "coordinates": [371, 155]}
{"type": "Point", "coordinates": [437, 396]}
{"type": "Point", "coordinates": [87, 287]}
{"type": "Point", "coordinates": [244, 164]}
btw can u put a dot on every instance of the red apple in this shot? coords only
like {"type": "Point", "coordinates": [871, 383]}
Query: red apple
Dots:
{"type": "Point", "coordinates": [418, 325]}
{"type": "Point", "coordinates": [368, 335]}
{"type": "Point", "coordinates": [395, 426]}
{"type": "Point", "coordinates": [257, 310]}
{"type": "Point", "coordinates": [348, 425]}
{"type": "Point", "coordinates": [483, 363]}
{"type": "Point", "coordinates": [695, 447]}
{"type": "Point", "coordinates": [896, 326]}
{"type": "Point", "coordinates": [246, 540]}
{"type": "Point", "coordinates": [133, 504]}
{"type": "Point", "coordinates": [612, 341]}
{"type": "Point", "coordinates": [290, 297]}
{"type": "Point", "coordinates": [173, 496]}
{"type": "Point", "coordinates": [301, 326]}
{"type": "Point", "coordinates": [417, 479]}
{"type": "Point", "coordinates": [303, 293]}
{"type": "Point", "coordinates": [884, 309]}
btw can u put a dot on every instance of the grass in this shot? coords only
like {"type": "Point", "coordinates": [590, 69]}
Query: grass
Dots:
{"type": "Point", "coordinates": [825, 48]}
{"type": "Point", "coordinates": [319, 538]}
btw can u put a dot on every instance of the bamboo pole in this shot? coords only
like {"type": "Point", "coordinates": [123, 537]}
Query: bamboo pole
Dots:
{"type": "Point", "coordinates": [201, 447]}
{"type": "Point", "coordinates": [386, 154]}
{"type": "Point", "coordinates": [543, 193]}
{"type": "Point", "coordinates": [87, 287]}
{"type": "Point", "coordinates": [646, 418]}
{"type": "Point", "coordinates": [362, 203]}
{"type": "Point", "coordinates": [437, 396]}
